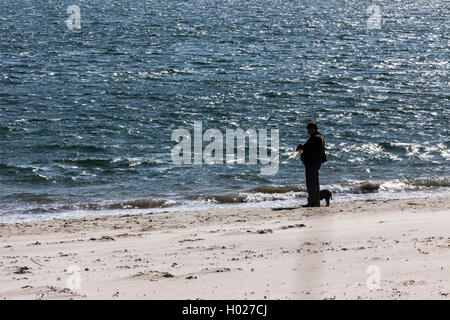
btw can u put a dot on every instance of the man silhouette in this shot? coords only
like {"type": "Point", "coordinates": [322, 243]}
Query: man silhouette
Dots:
{"type": "Point", "coordinates": [313, 156]}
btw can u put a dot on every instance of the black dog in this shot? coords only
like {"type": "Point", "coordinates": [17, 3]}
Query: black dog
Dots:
{"type": "Point", "coordinates": [326, 194]}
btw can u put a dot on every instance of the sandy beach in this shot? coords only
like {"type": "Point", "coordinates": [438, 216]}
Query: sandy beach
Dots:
{"type": "Point", "coordinates": [373, 249]}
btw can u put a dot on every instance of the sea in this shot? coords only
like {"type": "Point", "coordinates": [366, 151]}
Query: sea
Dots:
{"type": "Point", "coordinates": [92, 91]}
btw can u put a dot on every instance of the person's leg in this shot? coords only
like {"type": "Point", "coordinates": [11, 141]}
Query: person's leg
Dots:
{"type": "Point", "coordinates": [312, 184]}
{"type": "Point", "coordinates": [316, 187]}
{"type": "Point", "coordinates": [308, 181]}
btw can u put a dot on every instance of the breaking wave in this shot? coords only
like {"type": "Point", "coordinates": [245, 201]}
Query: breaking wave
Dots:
{"type": "Point", "coordinates": [134, 204]}
{"type": "Point", "coordinates": [289, 192]}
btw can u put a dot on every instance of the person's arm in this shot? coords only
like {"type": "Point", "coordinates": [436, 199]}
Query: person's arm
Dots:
{"type": "Point", "coordinates": [305, 146]}
{"type": "Point", "coordinates": [313, 144]}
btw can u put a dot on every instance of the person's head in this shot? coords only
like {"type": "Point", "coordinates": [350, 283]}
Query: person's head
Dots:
{"type": "Point", "coordinates": [312, 128]}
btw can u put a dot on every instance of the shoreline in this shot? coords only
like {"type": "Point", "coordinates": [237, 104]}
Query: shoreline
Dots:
{"type": "Point", "coordinates": [235, 253]}
{"type": "Point", "coordinates": [174, 205]}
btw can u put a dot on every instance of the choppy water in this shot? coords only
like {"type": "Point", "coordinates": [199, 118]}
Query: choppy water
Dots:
{"type": "Point", "coordinates": [86, 116]}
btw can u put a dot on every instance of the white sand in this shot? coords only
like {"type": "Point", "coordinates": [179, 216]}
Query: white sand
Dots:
{"type": "Point", "coordinates": [236, 254]}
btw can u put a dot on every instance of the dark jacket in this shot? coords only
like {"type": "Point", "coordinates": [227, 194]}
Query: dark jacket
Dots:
{"type": "Point", "coordinates": [314, 150]}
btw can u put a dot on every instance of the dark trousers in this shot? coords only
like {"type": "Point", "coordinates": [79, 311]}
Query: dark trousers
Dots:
{"type": "Point", "coordinates": [312, 184]}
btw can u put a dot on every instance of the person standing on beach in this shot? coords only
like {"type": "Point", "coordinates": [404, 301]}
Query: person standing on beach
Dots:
{"type": "Point", "coordinates": [313, 156]}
